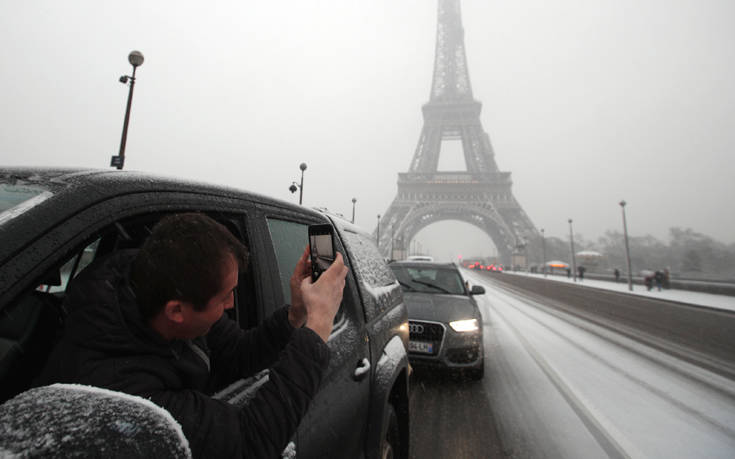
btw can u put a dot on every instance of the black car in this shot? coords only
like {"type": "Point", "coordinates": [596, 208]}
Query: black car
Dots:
{"type": "Point", "coordinates": [55, 222]}
{"type": "Point", "coordinates": [444, 320]}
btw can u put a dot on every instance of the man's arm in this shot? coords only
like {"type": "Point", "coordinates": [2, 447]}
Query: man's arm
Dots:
{"type": "Point", "coordinates": [297, 312]}
{"type": "Point", "coordinates": [233, 354]}
{"type": "Point", "coordinates": [316, 304]}
{"type": "Point", "coordinates": [237, 353]}
{"type": "Point", "coordinates": [263, 427]}
{"type": "Point", "coordinates": [323, 297]}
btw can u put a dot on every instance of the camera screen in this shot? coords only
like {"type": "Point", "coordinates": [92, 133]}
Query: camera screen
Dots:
{"type": "Point", "coordinates": [322, 251]}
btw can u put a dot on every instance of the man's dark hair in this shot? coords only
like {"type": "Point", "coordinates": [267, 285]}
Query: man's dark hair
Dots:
{"type": "Point", "coordinates": [183, 259]}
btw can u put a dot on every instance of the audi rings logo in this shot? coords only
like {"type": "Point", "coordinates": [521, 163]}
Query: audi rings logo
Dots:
{"type": "Point", "coordinates": [416, 328]}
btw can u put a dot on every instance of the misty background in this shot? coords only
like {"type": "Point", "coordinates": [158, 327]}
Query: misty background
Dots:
{"type": "Point", "coordinates": [586, 102]}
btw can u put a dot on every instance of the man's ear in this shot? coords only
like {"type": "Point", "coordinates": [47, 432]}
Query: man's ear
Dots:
{"type": "Point", "coordinates": [174, 311]}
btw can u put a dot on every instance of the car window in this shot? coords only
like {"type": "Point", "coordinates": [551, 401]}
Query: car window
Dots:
{"type": "Point", "coordinates": [12, 195]}
{"type": "Point", "coordinates": [289, 240]}
{"type": "Point", "coordinates": [16, 199]}
{"type": "Point", "coordinates": [69, 270]}
{"type": "Point", "coordinates": [129, 233]}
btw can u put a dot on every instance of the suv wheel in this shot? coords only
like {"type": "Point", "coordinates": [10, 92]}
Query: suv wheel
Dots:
{"type": "Point", "coordinates": [389, 447]}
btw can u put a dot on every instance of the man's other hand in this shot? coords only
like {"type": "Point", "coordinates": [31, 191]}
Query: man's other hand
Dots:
{"type": "Point", "coordinates": [323, 297]}
{"type": "Point", "coordinates": [297, 311]}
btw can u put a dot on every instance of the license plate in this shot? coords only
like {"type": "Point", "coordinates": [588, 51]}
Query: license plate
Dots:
{"type": "Point", "coordinates": [420, 346]}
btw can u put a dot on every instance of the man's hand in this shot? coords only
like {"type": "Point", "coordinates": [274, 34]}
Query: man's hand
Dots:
{"type": "Point", "coordinates": [323, 297]}
{"type": "Point", "coordinates": [297, 311]}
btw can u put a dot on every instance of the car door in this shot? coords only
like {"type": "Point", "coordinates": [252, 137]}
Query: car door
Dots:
{"type": "Point", "coordinates": [335, 424]}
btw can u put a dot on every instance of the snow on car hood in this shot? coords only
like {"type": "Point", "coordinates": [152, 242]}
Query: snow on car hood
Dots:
{"type": "Point", "coordinates": [69, 420]}
{"type": "Point", "coordinates": [439, 307]}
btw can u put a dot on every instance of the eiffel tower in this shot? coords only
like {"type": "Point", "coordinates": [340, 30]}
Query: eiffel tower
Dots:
{"type": "Point", "coordinates": [481, 195]}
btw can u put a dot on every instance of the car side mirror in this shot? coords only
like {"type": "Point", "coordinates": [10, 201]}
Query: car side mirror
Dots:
{"type": "Point", "coordinates": [477, 290]}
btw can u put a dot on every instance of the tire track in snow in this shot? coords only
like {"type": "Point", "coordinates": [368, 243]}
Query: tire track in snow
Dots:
{"type": "Point", "coordinates": [601, 426]}
{"type": "Point", "coordinates": [612, 442]}
{"type": "Point", "coordinates": [714, 423]}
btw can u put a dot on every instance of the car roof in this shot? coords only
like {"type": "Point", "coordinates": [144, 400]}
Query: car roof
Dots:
{"type": "Point", "coordinates": [73, 190]}
{"type": "Point", "coordinates": [423, 264]}
{"type": "Point", "coordinates": [108, 183]}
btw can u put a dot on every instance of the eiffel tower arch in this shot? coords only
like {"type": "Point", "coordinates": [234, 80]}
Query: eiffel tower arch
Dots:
{"type": "Point", "coordinates": [481, 195]}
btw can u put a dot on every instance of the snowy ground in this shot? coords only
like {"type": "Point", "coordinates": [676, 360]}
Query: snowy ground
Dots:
{"type": "Point", "coordinates": [563, 387]}
{"type": "Point", "coordinates": [683, 296]}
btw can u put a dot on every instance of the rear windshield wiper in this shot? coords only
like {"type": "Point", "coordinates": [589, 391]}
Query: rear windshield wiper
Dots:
{"type": "Point", "coordinates": [429, 284]}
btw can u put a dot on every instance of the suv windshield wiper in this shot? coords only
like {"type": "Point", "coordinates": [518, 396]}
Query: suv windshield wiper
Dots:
{"type": "Point", "coordinates": [407, 286]}
{"type": "Point", "coordinates": [429, 284]}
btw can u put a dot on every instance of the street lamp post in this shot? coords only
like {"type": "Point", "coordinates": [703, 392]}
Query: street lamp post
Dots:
{"type": "Point", "coordinates": [353, 209]}
{"type": "Point", "coordinates": [302, 166]}
{"type": "Point", "coordinates": [294, 186]}
{"type": "Point", "coordinates": [574, 257]}
{"type": "Point", "coordinates": [136, 59]}
{"type": "Point", "coordinates": [627, 248]}
{"type": "Point", "coordinates": [377, 239]}
{"type": "Point", "coordinates": [543, 250]}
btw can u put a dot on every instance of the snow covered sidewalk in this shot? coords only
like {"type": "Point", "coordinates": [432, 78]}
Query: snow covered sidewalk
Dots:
{"type": "Point", "coordinates": [702, 299]}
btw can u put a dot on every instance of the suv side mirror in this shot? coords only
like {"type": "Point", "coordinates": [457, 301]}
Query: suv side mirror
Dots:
{"type": "Point", "coordinates": [477, 290]}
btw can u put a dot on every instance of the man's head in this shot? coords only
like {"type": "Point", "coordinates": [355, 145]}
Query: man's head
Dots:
{"type": "Point", "coordinates": [185, 273]}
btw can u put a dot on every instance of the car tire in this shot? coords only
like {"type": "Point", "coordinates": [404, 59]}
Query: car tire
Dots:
{"type": "Point", "coordinates": [390, 443]}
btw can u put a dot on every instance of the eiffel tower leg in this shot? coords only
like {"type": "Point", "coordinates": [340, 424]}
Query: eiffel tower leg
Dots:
{"type": "Point", "coordinates": [405, 220]}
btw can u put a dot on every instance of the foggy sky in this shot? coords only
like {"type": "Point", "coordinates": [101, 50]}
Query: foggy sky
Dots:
{"type": "Point", "coordinates": [586, 102]}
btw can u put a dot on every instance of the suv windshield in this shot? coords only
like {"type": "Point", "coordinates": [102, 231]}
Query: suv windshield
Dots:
{"type": "Point", "coordinates": [429, 279]}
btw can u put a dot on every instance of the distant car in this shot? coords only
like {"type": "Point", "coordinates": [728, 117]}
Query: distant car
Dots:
{"type": "Point", "coordinates": [445, 324]}
{"type": "Point", "coordinates": [53, 223]}
{"type": "Point", "coordinates": [420, 258]}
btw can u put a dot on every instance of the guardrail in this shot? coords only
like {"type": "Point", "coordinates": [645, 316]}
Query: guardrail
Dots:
{"type": "Point", "coordinates": [692, 285]}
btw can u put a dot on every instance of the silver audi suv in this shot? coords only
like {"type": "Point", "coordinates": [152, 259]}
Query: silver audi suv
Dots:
{"type": "Point", "coordinates": [444, 321]}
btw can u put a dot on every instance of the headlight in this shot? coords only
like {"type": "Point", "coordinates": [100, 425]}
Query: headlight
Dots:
{"type": "Point", "coordinates": [467, 325]}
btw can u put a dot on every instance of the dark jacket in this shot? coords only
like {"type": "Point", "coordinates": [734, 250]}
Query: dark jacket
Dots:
{"type": "Point", "coordinates": [106, 344]}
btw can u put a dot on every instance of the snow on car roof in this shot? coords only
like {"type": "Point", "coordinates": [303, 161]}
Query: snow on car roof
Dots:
{"type": "Point", "coordinates": [64, 420]}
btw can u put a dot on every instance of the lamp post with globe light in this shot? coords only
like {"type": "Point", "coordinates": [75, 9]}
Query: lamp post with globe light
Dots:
{"type": "Point", "coordinates": [574, 256]}
{"type": "Point", "coordinates": [353, 209]}
{"type": "Point", "coordinates": [294, 186]}
{"type": "Point", "coordinates": [627, 248]}
{"type": "Point", "coordinates": [543, 250]}
{"type": "Point", "coordinates": [377, 238]}
{"type": "Point", "coordinates": [136, 59]}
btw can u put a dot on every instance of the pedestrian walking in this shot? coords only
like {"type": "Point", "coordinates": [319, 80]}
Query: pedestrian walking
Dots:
{"type": "Point", "coordinates": [648, 281]}
{"type": "Point", "coordinates": [658, 276]}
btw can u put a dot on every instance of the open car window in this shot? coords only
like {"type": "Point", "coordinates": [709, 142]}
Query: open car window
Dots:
{"type": "Point", "coordinates": [289, 241]}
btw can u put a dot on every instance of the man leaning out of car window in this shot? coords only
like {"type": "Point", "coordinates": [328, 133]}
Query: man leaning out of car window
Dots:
{"type": "Point", "coordinates": [151, 322]}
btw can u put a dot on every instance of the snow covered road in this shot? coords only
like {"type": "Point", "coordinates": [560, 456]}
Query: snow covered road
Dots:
{"type": "Point", "coordinates": [561, 386]}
